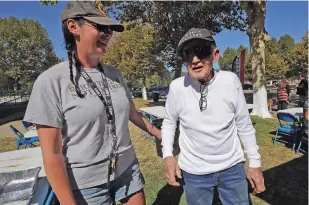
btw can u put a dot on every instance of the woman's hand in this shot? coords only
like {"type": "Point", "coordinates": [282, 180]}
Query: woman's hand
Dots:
{"type": "Point", "coordinates": [144, 124]}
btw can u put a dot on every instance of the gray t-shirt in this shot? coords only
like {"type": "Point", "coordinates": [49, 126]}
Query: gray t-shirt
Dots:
{"type": "Point", "coordinates": [85, 138]}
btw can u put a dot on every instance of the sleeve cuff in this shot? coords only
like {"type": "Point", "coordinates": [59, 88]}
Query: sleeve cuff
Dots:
{"type": "Point", "coordinates": [255, 163]}
{"type": "Point", "coordinates": [167, 153]}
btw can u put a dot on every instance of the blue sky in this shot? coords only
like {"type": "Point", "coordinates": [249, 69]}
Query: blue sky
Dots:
{"type": "Point", "coordinates": [282, 18]}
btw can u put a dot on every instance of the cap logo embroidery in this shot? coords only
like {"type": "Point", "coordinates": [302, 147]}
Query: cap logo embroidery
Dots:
{"type": "Point", "coordinates": [100, 7]}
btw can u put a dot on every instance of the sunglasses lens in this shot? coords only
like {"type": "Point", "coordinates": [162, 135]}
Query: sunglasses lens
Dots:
{"type": "Point", "coordinates": [203, 52]}
{"type": "Point", "coordinates": [200, 52]}
{"type": "Point", "coordinates": [105, 29]}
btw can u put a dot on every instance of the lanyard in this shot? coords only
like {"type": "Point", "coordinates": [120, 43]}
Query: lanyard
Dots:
{"type": "Point", "coordinates": [107, 102]}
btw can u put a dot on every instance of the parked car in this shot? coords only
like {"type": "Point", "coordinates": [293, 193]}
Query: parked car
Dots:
{"type": "Point", "coordinates": [164, 94]}
{"type": "Point", "coordinates": [292, 86]}
{"type": "Point", "coordinates": [150, 91]}
{"type": "Point", "coordinates": [272, 82]}
{"type": "Point", "coordinates": [247, 86]}
{"type": "Point", "coordinates": [160, 90]}
{"type": "Point", "coordinates": [137, 92]}
{"type": "Point", "coordinates": [272, 85]}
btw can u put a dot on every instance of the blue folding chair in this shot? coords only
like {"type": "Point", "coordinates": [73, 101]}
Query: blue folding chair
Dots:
{"type": "Point", "coordinates": [26, 125]}
{"type": "Point", "coordinates": [290, 128]}
{"type": "Point", "coordinates": [22, 140]}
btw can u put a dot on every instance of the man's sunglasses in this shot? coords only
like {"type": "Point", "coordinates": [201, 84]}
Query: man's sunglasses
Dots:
{"type": "Point", "coordinates": [201, 52]}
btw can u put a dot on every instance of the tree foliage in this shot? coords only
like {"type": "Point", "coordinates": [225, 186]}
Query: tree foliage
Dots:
{"type": "Point", "coordinates": [286, 44]}
{"type": "Point", "coordinates": [172, 19]}
{"type": "Point", "coordinates": [25, 50]}
{"type": "Point", "coordinates": [132, 52]}
{"type": "Point", "coordinates": [276, 66]}
{"type": "Point", "coordinates": [299, 58]}
{"type": "Point", "coordinates": [49, 2]}
{"type": "Point", "coordinates": [227, 58]}
{"type": "Point", "coordinates": [272, 46]}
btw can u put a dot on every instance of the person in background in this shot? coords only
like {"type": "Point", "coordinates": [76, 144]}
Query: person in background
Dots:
{"type": "Point", "coordinates": [282, 96]}
{"type": "Point", "coordinates": [304, 131]}
{"type": "Point", "coordinates": [305, 110]}
{"type": "Point", "coordinates": [302, 90]}
{"type": "Point", "coordinates": [81, 109]}
{"type": "Point", "coordinates": [213, 121]}
{"type": "Point", "coordinates": [287, 87]}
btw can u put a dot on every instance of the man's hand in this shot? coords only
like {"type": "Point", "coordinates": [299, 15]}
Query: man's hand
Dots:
{"type": "Point", "coordinates": [171, 170]}
{"type": "Point", "coordinates": [256, 179]}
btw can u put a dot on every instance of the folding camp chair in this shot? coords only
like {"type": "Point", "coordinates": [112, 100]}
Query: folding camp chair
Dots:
{"type": "Point", "coordinates": [26, 125]}
{"type": "Point", "coordinates": [289, 128]}
{"type": "Point", "coordinates": [22, 140]}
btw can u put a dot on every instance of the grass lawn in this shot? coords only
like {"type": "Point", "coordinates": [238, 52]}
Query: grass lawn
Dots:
{"type": "Point", "coordinates": [286, 174]}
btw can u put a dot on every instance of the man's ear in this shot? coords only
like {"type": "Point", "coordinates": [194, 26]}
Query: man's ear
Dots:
{"type": "Point", "coordinates": [216, 55]}
{"type": "Point", "coordinates": [186, 64]}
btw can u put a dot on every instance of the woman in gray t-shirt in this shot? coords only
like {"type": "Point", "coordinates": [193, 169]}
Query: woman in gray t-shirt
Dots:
{"type": "Point", "coordinates": [81, 109]}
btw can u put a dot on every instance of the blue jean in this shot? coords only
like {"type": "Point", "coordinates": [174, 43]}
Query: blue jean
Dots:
{"type": "Point", "coordinates": [231, 184]}
{"type": "Point", "coordinates": [130, 182]}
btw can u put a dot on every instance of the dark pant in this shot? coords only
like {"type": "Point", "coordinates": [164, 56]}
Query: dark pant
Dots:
{"type": "Point", "coordinates": [282, 105]}
{"type": "Point", "coordinates": [231, 184]}
{"type": "Point", "coordinates": [302, 99]}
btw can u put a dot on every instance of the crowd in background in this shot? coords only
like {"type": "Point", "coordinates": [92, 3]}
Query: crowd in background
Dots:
{"type": "Point", "coordinates": [284, 93]}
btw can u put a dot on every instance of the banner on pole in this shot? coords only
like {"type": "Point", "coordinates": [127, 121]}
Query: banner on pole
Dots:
{"type": "Point", "coordinates": [238, 66]}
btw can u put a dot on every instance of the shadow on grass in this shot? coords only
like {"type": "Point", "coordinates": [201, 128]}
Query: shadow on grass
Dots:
{"type": "Point", "coordinates": [169, 195]}
{"type": "Point", "coordinates": [287, 183]}
{"type": "Point", "coordinates": [286, 140]}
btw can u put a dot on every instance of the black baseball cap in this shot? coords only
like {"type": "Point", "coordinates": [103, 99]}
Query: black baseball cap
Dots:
{"type": "Point", "coordinates": [92, 11]}
{"type": "Point", "coordinates": [193, 34]}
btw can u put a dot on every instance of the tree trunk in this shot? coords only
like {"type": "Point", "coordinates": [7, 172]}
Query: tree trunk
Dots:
{"type": "Point", "coordinates": [256, 12]}
{"type": "Point", "coordinates": [144, 91]}
{"type": "Point", "coordinates": [178, 70]}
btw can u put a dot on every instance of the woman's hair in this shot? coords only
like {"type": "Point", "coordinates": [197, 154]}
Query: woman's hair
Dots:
{"type": "Point", "coordinates": [282, 86]}
{"type": "Point", "coordinates": [70, 46]}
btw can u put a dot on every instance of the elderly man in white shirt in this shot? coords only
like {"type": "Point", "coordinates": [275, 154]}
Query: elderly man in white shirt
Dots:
{"type": "Point", "coordinates": [214, 120]}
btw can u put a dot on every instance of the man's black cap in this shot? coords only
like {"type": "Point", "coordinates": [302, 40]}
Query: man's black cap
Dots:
{"type": "Point", "coordinates": [195, 33]}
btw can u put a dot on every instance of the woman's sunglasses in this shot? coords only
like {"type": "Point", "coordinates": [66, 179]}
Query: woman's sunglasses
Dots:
{"type": "Point", "coordinates": [201, 52]}
{"type": "Point", "coordinates": [101, 28]}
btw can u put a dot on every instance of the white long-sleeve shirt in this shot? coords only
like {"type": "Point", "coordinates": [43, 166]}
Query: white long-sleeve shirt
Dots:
{"type": "Point", "coordinates": [209, 139]}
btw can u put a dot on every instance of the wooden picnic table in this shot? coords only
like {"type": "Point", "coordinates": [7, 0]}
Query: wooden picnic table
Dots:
{"type": "Point", "coordinates": [25, 159]}
{"type": "Point", "coordinates": [157, 111]}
